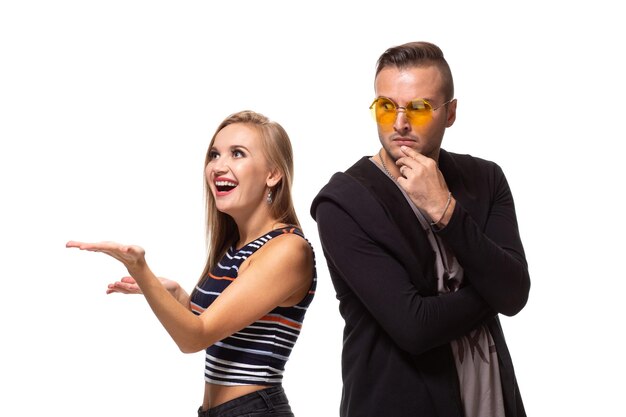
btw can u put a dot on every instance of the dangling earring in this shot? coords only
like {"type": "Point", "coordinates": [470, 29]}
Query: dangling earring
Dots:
{"type": "Point", "coordinates": [269, 197]}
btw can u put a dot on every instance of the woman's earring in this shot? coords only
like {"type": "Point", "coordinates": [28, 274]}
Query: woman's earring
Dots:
{"type": "Point", "coordinates": [269, 197]}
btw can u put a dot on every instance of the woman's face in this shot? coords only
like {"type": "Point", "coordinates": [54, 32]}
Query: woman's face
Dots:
{"type": "Point", "coordinates": [238, 174]}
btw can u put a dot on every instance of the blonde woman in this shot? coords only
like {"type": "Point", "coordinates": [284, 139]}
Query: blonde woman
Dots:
{"type": "Point", "coordinates": [249, 304]}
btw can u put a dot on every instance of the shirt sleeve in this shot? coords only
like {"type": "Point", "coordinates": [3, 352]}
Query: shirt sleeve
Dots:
{"type": "Point", "coordinates": [366, 274]}
{"type": "Point", "coordinates": [492, 257]}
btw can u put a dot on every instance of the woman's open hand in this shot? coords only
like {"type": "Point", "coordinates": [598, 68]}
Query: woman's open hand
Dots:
{"type": "Point", "coordinates": [133, 257]}
{"type": "Point", "coordinates": [128, 285]}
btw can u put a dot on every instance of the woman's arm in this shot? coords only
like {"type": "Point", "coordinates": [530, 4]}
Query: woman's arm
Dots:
{"type": "Point", "coordinates": [128, 285]}
{"type": "Point", "coordinates": [280, 271]}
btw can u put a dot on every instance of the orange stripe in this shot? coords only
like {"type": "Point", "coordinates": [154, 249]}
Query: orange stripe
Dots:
{"type": "Point", "coordinates": [283, 320]}
{"type": "Point", "coordinates": [197, 309]}
{"type": "Point", "coordinates": [216, 277]}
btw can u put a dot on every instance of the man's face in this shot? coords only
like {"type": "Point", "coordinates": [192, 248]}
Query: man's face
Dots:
{"type": "Point", "coordinates": [402, 86]}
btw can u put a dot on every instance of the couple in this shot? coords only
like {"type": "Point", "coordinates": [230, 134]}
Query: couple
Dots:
{"type": "Point", "coordinates": [422, 246]}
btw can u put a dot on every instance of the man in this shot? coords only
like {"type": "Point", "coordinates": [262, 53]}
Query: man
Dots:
{"type": "Point", "coordinates": [424, 252]}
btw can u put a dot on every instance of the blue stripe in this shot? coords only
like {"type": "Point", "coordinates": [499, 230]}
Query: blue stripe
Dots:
{"type": "Point", "coordinates": [258, 353]}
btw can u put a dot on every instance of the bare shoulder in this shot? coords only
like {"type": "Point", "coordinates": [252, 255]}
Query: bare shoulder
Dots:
{"type": "Point", "coordinates": [285, 264]}
{"type": "Point", "coordinates": [288, 248]}
{"type": "Point", "coordinates": [285, 255]}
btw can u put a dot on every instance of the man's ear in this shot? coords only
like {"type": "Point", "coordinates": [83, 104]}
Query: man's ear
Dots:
{"type": "Point", "coordinates": [451, 113]}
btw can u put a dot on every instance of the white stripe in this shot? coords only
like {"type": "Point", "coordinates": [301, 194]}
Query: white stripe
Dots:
{"type": "Point", "coordinates": [267, 336]}
{"type": "Point", "coordinates": [228, 371]}
{"type": "Point", "coordinates": [227, 268]}
{"type": "Point", "coordinates": [241, 365]}
{"type": "Point", "coordinates": [266, 378]}
{"type": "Point", "coordinates": [266, 342]}
{"type": "Point", "coordinates": [258, 352]}
{"type": "Point", "coordinates": [261, 241]}
{"type": "Point", "coordinates": [253, 326]}
{"type": "Point", "coordinates": [231, 258]}
{"type": "Point", "coordinates": [214, 381]}
{"type": "Point", "coordinates": [206, 292]}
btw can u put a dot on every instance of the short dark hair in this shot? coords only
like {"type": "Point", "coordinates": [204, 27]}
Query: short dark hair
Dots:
{"type": "Point", "coordinates": [418, 54]}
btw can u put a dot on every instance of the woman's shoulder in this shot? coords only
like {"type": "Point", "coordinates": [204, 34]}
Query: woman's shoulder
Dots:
{"type": "Point", "coordinates": [287, 246]}
{"type": "Point", "coordinates": [285, 254]}
{"type": "Point", "coordinates": [288, 239]}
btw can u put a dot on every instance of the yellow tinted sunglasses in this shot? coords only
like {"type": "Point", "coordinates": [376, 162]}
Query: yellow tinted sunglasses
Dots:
{"type": "Point", "coordinates": [418, 111]}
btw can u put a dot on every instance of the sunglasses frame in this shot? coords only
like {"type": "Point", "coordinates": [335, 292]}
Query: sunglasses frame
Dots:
{"type": "Point", "coordinates": [428, 107]}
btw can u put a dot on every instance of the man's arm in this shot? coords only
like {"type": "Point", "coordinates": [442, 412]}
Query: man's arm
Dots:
{"type": "Point", "coordinates": [492, 258]}
{"type": "Point", "coordinates": [381, 283]}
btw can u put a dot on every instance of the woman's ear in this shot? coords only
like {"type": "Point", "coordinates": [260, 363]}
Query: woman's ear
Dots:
{"type": "Point", "coordinates": [273, 178]}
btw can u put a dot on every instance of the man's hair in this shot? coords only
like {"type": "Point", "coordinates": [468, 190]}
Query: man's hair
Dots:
{"type": "Point", "coordinates": [418, 54]}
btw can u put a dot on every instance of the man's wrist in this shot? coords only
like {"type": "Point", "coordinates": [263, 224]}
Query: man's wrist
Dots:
{"type": "Point", "coordinates": [446, 213]}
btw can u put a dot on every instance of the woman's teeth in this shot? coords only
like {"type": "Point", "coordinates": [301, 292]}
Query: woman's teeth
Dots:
{"type": "Point", "coordinates": [225, 185]}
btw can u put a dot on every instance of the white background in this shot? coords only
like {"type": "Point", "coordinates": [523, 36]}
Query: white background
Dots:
{"type": "Point", "coordinates": [106, 110]}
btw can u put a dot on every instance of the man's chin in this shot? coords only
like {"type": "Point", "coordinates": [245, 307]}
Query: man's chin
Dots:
{"type": "Point", "coordinates": [394, 148]}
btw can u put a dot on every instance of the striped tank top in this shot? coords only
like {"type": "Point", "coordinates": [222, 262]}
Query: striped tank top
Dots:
{"type": "Point", "coordinates": [257, 354]}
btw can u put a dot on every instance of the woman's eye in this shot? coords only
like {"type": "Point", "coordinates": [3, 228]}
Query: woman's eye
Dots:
{"type": "Point", "coordinates": [237, 153]}
{"type": "Point", "coordinates": [213, 155]}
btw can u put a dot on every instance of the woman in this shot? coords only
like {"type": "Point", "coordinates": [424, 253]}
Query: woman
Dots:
{"type": "Point", "coordinates": [259, 279]}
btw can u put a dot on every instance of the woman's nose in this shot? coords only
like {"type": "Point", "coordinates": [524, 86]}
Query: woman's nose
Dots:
{"type": "Point", "coordinates": [220, 164]}
{"type": "Point", "coordinates": [216, 167]}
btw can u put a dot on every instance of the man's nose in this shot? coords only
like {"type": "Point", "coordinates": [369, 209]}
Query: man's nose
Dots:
{"type": "Point", "coordinates": [401, 123]}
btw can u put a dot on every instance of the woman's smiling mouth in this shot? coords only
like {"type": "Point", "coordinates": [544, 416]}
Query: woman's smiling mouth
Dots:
{"type": "Point", "coordinates": [224, 186]}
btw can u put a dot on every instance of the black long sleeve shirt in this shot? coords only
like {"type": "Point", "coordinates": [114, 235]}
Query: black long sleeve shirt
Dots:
{"type": "Point", "coordinates": [396, 358]}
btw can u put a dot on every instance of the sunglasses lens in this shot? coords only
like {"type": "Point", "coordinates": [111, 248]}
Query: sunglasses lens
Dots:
{"type": "Point", "coordinates": [419, 112]}
{"type": "Point", "coordinates": [384, 111]}
{"type": "Point", "coordinates": [419, 105]}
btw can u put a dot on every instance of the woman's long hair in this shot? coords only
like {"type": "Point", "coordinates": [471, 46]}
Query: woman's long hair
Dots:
{"type": "Point", "coordinates": [221, 230]}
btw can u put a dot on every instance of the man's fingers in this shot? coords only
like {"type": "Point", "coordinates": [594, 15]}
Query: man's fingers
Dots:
{"type": "Point", "coordinates": [411, 159]}
{"type": "Point", "coordinates": [411, 153]}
